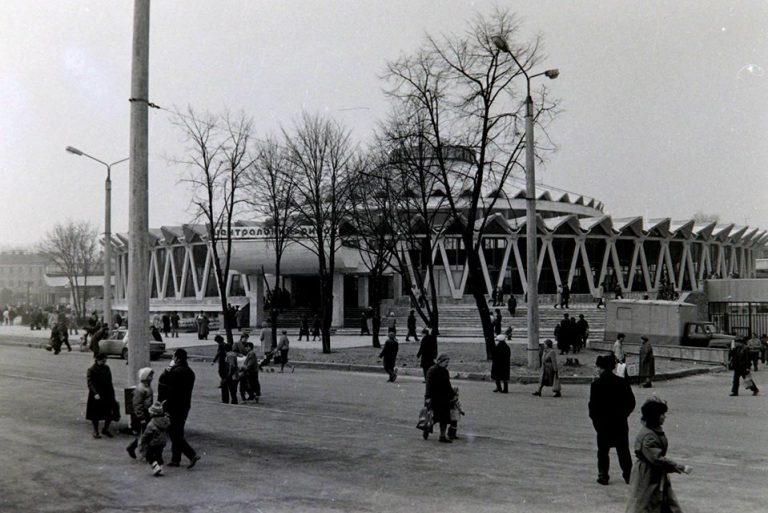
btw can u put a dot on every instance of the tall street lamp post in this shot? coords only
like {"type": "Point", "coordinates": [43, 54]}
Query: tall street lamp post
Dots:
{"type": "Point", "coordinates": [107, 231]}
{"type": "Point", "coordinates": [532, 276]}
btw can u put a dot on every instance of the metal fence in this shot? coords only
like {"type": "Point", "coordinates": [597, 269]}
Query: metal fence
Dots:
{"type": "Point", "coordinates": [741, 319]}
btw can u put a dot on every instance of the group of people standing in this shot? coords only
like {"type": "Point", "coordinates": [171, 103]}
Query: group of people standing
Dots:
{"type": "Point", "coordinates": [571, 335]}
{"type": "Point", "coordinates": [154, 421]}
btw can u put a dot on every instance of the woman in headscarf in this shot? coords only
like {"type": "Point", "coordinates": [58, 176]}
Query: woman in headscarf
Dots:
{"type": "Point", "coordinates": [439, 394]}
{"type": "Point", "coordinates": [651, 490]}
{"type": "Point", "coordinates": [101, 395]}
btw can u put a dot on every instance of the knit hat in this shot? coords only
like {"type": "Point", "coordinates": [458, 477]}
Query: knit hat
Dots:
{"type": "Point", "coordinates": [145, 374]}
{"type": "Point", "coordinates": [156, 409]}
{"type": "Point", "coordinates": [443, 358]}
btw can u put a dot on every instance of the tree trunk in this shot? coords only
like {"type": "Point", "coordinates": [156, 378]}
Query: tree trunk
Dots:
{"type": "Point", "coordinates": [476, 279]}
{"type": "Point", "coordinates": [326, 310]}
{"type": "Point", "coordinates": [376, 300]}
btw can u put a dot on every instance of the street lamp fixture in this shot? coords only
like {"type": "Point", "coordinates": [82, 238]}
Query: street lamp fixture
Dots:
{"type": "Point", "coordinates": [532, 276]}
{"type": "Point", "coordinates": [107, 312]}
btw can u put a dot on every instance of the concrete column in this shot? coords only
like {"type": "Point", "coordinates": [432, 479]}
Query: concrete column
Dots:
{"type": "Point", "coordinates": [256, 296]}
{"type": "Point", "coordinates": [337, 318]}
{"type": "Point", "coordinates": [362, 291]}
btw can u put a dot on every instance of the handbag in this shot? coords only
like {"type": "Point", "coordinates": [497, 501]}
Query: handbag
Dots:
{"type": "Point", "coordinates": [556, 387]}
{"type": "Point", "coordinates": [116, 411]}
{"type": "Point", "coordinates": [426, 419]}
{"type": "Point", "coordinates": [749, 383]}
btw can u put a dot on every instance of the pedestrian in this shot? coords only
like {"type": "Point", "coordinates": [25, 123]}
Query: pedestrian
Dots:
{"type": "Point", "coordinates": [304, 328]}
{"type": "Point", "coordinates": [315, 327]}
{"type": "Point", "coordinates": [175, 324]}
{"type": "Point", "coordinates": [753, 346]}
{"type": "Point", "coordinates": [512, 305]}
{"type": "Point", "coordinates": [240, 347]}
{"type": "Point", "coordinates": [175, 388]}
{"type": "Point", "coordinates": [650, 487]}
{"type": "Point", "coordinates": [363, 324]}
{"type": "Point", "coordinates": [143, 397]}
{"type": "Point", "coordinates": [154, 437]}
{"type": "Point", "coordinates": [500, 365]}
{"type": "Point", "coordinates": [499, 297]}
{"type": "Point", "coordinates": [389, 356]}
{"type": "Point", "coordinates": [265, 337]}
{"type": "Point", "coordinates": [497, 323]}
{"type": "Point", "coordinates": [199, 322]}
{"type": "Point", "coordinates": [64, 336]}
{"type": "Point", "coordinates": [282, 347]}
{"type": "Point", "coordinates": [582, 328]}
{"type": "Point", "coordinates": [563, 335]}
{"type": "Point", "coordinates": [647, 367]}
{"type": "Point", "coordinates": [232, 377]}
{"type": "Point", "coordinates": [439, 394]}
{"type": "Point", "coordinates": [100, 334]}
{"type": "Point", "coordinates": [618, 349]}
{"type": "Point", "coordinates": [763, 347]}
{"type": "Point", "coordinates": [559, 296]}
{"type": "Point", "coordinates": [411, 325]}
{"type": "Point", "coordinates": [156, 336]}
{"type": "Point", "coordinates": [611, 401]}
{"type": "Point", "coordinates": [508, 332]}
{"type": "Point", "coordinates": [566, 296]}
{"type": "Point", "coordinates": [427, 351]}
{"type": "Point", "coordinates": [166, 324]}
{"type": "Point", "coordinates": [101, 405]}
{"type": "Point", "coordinates": [494, 296]}
{"type": "Point", "coordinates": [54, 340]}
{"type": "Point", "coordinates": [599, 293]}
{"type": "Point", "coordinates": [455, 413]}
{"type": "Point", "coordinates": [251, 371]}
{"type": "Point", "coordinates": [549, 370]}
{"type": "Point", "coordinates": [391, 323]}
{"type": "Point", "coordinates": [740, 364]}
{"type": "Point", "coordinates": [618, 293]}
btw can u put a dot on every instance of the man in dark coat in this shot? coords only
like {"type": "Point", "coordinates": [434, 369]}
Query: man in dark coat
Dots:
{"type": "Point", "coordinates": [389, 356]}
{"type": "Point", "coordinates": [427, 351]}
{"type": "Point", "coordinates": [497, 323]}
{"type": "Point", "coordinates": [411, 325]}
{"type": "Point", "coordinates": [563, 335]}
{"type": "Point", "coordinates": [583, 329]}
{"type": "Point", "coordinates": [175, 388]}
{"type": "Point", "coordinates": [566, 296]}
{"type": "Point", "coordinates": [500, 364]}
{"type": "Point", "coordinates": [610, 403]}
{"type": "Point", "coordinates": [512, 305]}
{"type": "Point", "coordinates": [363, 324]}
{"type": "Point", "coordinates": [439, 394]}
{"type": "Point", "coordinates": [740, 364]}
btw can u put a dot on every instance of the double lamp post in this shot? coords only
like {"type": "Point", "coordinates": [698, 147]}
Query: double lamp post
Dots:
{"type": "Point", "coordinates": [107, 232]}
{"type": "Point", "coordinates": [532, 275]}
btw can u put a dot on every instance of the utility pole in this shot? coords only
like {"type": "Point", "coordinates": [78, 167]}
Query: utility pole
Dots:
{"type": "Point", "coordinates": [138, 200]}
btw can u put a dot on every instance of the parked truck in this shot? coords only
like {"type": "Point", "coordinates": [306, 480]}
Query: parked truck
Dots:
{"type": "Point", "coordinates": [664, 322]}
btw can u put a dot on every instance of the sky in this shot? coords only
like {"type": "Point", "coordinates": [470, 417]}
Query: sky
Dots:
{"type": "Point", "coordinates": [664, 104]}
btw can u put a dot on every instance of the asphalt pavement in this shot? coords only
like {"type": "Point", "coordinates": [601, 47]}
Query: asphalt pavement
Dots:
{"type": "Point", "coordinates": [324, 441]}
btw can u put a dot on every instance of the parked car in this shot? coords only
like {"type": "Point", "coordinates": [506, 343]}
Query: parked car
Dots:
{"type": "Point", "coordinates": [117, 345]}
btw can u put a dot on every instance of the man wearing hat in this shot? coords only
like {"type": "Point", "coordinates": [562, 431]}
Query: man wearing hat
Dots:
{"type": "Point", "coordinates": [611, 401]}
{"type": "Point", "coordinates": [647, 362]}
{"type": "Point", "coordinates": [500, 364]}
{"type": "Point", "coordinates": [389, 355]}
{"type": "Point", "coordinates": [175, 389]}
{"type": "Point", "coordinates": [427, 351]}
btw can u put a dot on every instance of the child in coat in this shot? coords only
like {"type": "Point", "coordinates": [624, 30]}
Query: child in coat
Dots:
{"type": "Point", "coordinates": [456, 411]}
{"type": "Point", "coordinates": [154, 437]}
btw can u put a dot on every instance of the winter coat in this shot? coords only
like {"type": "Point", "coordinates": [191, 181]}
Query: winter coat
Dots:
{"type": "Point", "coordinates": [650, 488]}
{"type": "Point", "coordinates": [231, 369]}
{"type": "Point", "coordinates": [283, 344]}
{"type": "Point", "coordinates": [99, 379]}
{"type": "Point", "coordinates": [175, 388]}
{"type": "Point", "coordinates": [740, 358]}
{"type": "Point", "coordinates": [251, 363]}
{"type": "Point", "coordinates": [389, 353]}
{"type": "Point", "coordinates": [155, 434]}
{"type": "Point", "coordinates": [411, 323]}
{"type": "Point", "coordinates": [610, 403]}
{"type": "Point", "coordinates": [427, 351]}
{"type": "Point", "coordinates": [221, 358]}
{"type": "Point", "coordinates": [500, 363]}
{"type": "Point", "coordinates": [647, 361]}
{"type": "Point", "coordinates": [440, 392]}
{"type": "Point", "coordinates": [143, 397]}
{"type": "Point", "coordinates": [549, 367]}
{"type": "Point", "coordinates": [497, 325]}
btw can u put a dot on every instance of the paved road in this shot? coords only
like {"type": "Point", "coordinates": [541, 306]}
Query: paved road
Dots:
{"type": "Point", "coordinates": [324, 441]}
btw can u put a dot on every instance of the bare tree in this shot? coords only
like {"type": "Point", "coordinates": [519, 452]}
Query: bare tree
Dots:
{"type": "Point", "coordinates": [271, 189]}
{"type": "Point", "coordinates": [320, 155]}
{"type": "Point", "coordinates": [217, 149]}
{"type": "Point", "coordinates": [73, 247]}
{"type": "Point", "coordinates": [459, 85]}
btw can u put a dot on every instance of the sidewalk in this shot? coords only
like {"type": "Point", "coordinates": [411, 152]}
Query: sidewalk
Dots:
{"type": "Point", "coordinates": [354, 353]}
